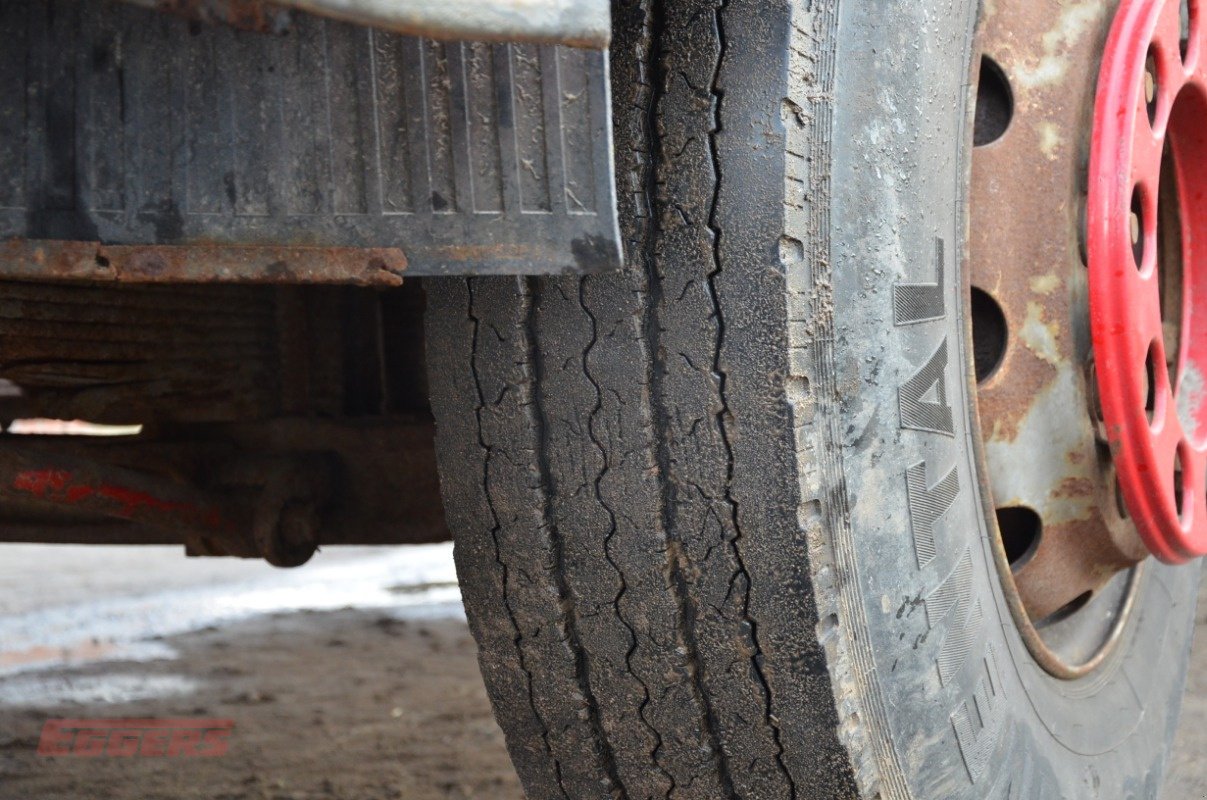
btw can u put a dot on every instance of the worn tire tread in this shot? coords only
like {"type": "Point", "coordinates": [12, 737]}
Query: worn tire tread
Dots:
{"type": "Point", "coordinates": [606, 500]}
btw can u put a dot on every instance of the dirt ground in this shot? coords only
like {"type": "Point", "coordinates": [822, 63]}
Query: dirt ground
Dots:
{"type": "Point", "coordinates": [346, 704]}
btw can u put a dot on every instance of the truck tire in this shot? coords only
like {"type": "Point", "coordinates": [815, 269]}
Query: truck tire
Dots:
{"type": "Point", "coordinates": [719, 520]}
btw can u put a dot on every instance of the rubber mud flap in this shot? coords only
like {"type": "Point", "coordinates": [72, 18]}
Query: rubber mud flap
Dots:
{"type": "Point", "coordinates": [718, 518]}
{"type": "Point", "coordinates": [127, 126]}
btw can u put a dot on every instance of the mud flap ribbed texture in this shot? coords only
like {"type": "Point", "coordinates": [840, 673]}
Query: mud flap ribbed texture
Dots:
{"type": "Point", "coordinates": [126, 126]}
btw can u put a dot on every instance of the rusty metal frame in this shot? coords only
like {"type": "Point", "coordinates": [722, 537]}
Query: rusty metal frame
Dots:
{"type": "Point", "coordinates": [579, 23]}
{"type": "Point", "coordinates": [275, 489]}
{"type": "Point", "coordinates": [25, 259]}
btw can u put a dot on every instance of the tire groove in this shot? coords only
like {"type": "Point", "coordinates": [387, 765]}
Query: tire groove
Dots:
{"type": "Point", "coordinates": [724, 412]}
{"type": "Point", "coordinates": [605, 455]}
{"type": "Point", "coordinates": [494, 534]}
{"type": "Point", "coordinates": [652, 497]}
{"type": "Point", "coordinates": [677, 583]}
{"type": "Point", "coordinates": [568, 603]}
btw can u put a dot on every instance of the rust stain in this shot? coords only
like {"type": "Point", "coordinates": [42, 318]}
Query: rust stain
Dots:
{"type": "Point", "coordinates": [1025, 221]}
{"type": "Point", "coordinates": [1075, 488]}
{"type": "Point", "coordinates": [201, 262]}
{"type": "Point", "coordinates": [1054, 57]}
{"type": "Point", "coordinates": [1066, 566]}
{"type": "Point", "coordinates": [1041, 336]}
{"type": "Point", "coordinates": [249, 15]}
{"type": "Point", "coordinates": [1045, 284]}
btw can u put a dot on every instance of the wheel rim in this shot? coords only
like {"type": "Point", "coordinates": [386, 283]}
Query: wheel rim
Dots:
{"type": "Point", "coordinates": [1067, 552]}
{"type": "Point", "coordinates": [1149, 341]}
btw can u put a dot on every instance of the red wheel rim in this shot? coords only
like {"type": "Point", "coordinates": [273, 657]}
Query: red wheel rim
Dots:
{"type": "Point", "coordinates": [1150, 111]}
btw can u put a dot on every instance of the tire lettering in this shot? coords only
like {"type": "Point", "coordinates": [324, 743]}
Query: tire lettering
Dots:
{"type": "Point", "coordinates": [976, 722]}
{"type": "Point", "coordinates": [926, 505]}
{"type": "Point", "coordinates": [952, 609]}
{"type": "Point", "coordinates": [920, 302]}
{"type": "Point", "coordinates": [922, 399]}
{"type": "Point", "coordinates": [951, 598]}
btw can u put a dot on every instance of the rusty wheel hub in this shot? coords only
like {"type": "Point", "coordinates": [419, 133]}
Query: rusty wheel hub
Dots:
{"type": "Point", "coordinates": [1091, 157]}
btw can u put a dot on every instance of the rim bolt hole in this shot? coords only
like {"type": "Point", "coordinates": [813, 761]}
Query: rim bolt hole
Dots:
{"type": "Point", "coordinates": [1082, 245]}
{"type": "Point", "coordinates": [1069, 609]}
{"type": "Point", "coordinates": [988, 334]}
{"type": "Point", "coordinates": [1120, 502]}
{"type": "Point", "coordinates": [1183, 493]}
{"type": "Point", "coordinates": [1021, 530]}
{"type": "Point", "coordinates": [1150, 371]}
{"type": "Point", "coordinates": [1135, 223]}
{"type": "Point", "coordinates": [1184, 13]}
{"type": "Point", "coordinates": [1097, 417]}
{"type": "Point", "coordinates": [994, 104]}
{"type": "Point", "coordinates": [1177, 483]}
{"type": "Point", "coordinates": [1150, 88]}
